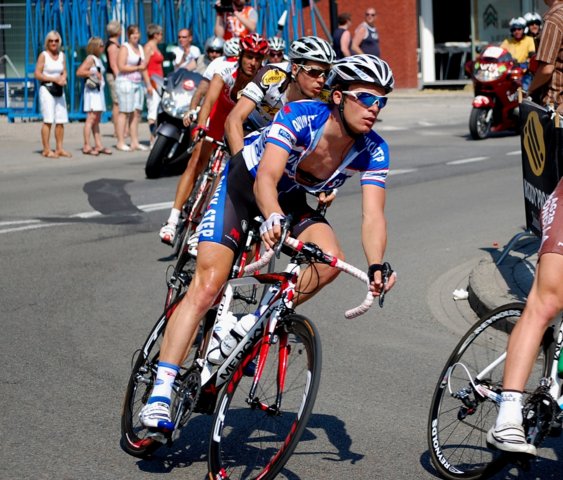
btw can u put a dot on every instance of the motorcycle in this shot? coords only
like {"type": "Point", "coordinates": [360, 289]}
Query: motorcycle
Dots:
{"type": "Point", "coordinates": [172, 138]}
{"type": "Point", "coordinates": [496, 79]}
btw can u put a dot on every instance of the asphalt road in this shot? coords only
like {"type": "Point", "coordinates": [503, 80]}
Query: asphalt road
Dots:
{"type": "Point", "coordinates": [83, 281]}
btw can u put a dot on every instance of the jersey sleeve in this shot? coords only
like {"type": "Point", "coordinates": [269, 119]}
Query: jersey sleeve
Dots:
{"type": "Point", "coordinates": [376, 166]}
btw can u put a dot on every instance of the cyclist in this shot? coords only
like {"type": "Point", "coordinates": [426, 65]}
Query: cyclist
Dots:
{"type": "Point", "coordinates": [544, 302]}
{"type": "Point", "coordinates": [277, 50]}
{"type": "Point", "coordinates": [223, 91]}
{"type": "Point", "coordinates": [311, 146]}
{"type": "Point", "coordinates": [302, 78]}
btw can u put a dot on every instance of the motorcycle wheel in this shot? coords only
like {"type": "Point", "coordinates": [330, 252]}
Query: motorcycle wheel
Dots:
{"type": "Point", "coordinates": [479, 127]}
{"type": "Point", "coordinates": [159, 151]}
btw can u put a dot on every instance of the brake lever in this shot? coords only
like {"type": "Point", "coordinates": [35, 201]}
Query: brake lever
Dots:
{"type": "Point", "coordinates": [284, 234]}
{"type": "Point", "coordinates": [386, 272]}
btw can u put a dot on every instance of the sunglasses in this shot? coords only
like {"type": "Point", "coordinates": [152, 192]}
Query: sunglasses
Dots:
{"type": "Point", "coordinates": [370, 14]}
{"type": "Point", "coordinates": [182, 36]}
{"type": "Point", "coordinates": [54, 40]}
{"type": "Point", "coordinates": [368, 99]}
{"type": "Point", "coordinates": [315, 72]}
{"type": "Point", "coordinates": [515, 29]}
{"type": "Point", "coordinates": [276, 54]}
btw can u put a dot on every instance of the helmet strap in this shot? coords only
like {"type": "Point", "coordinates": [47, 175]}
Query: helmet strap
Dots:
{"type": "Point", "coordinates": [345, 124]}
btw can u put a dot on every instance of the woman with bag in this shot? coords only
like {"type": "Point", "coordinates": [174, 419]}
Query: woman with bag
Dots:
{"type": "Point", "coordinates": [50, 70]}
{"type": "Point", "coordinates": [92, 70]}
{"type": "Point", "coordinates": [130, 88]}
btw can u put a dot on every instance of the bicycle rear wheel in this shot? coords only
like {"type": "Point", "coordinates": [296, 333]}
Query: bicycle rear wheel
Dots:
{"type": "Point", "coordinates": [250, 440]}
{"type": "Point", "coordinates": [459, 416]}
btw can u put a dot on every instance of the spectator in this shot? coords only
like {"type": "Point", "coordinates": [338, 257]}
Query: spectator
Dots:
{"type": "Point", "coordinates": [366, 37]}
{"type": "Point", "coordinates": [186, 54]}
{"type": "Point", "coordinates": [154, 67]}
{"type": "Point", "coordinates": [113, 30]}
{"type": "Point", "coordinates": [92, 69]}
{"type": "Point", "coordinates": [276, 54]}
{"type": "Point", "coordinates": [130, 91]}
{"type": "Point", "coordinates": [341, 38]}
{"type": "Point", "coordinates": [213, 49]}
{"type": "Point", "coordinates": [520, 46]}
{"type": "Point", "coordinates": [533, 27]}
{"type": "Point", "coordinates": [50, 70]}
{"type": "Point", "coordinates": [238, 20]}
{"type": "Point", "coordinates": [547, 85]}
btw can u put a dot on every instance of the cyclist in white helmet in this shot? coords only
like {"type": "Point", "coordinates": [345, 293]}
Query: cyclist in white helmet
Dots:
{"type": "Point", "coordinates": [303, 77]}
{"type": "Point", "coordinates": [277, 50]}
{"type": "Point", "coordinates": [311, 146]}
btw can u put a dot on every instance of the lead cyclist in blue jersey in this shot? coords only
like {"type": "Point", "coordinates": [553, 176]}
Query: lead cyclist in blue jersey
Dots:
{"type": "Point", "coordinates": [311, 146]}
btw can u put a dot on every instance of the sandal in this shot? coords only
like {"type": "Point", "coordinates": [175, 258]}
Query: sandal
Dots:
{"type": "Point", "coordinates": [105, 151]}
{"type": "Point", "coordinates": [92, 151]}
{"type": "Point", "coordinates": [50, 154]}
{"type": "Point", "coordinates": [124, 148]}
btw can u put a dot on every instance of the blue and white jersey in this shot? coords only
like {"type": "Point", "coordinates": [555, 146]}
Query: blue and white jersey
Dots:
{"type": "Point", "coordinates": [297, 128]}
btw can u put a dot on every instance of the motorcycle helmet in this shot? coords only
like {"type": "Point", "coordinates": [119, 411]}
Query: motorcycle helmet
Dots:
{"type": "Point", "coordinates": [231, 48]}
{"type": "Point", "coordinates": [362, 69]}
{"type": "Point", "coordinates": [533, 18]}
{"type": "Point", "coordinates": [214, 44]}
{"type": "Point", "coordinates": [277, 44]}
{"type": "Point", "coordinates": [311, 48]}
{"type": "Point", "coordinates": [516, 23]}
{"type": "Point", "coordinates": [254, 44]}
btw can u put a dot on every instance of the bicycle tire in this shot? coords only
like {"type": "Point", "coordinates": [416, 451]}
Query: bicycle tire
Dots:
{"type": "Point", "coordinates": [457, 434]}
{"type": "Point", "coordinates": [249, 442]}
{"type": "Point", "coordinates": [135, 438]}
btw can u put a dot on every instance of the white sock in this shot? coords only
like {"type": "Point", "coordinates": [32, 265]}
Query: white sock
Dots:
{"type": "Point", "coordinates": [510, 410]}
{"type": "Point", "coordinates": [174, 216]}
{"type": "Point", "coordinates": [165, 376]}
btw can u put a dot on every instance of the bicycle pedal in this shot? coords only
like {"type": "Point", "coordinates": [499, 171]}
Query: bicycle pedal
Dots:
{"type": "Point", "coordinates": [160, 436]}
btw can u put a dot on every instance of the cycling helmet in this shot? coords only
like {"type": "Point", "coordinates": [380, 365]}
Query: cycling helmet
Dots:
{"type": "Point", "coordinates": [214, 43]}
{"type": "Point", "coordinates": [276, 43]}
{"type": "Point", "coordinates": [231, 48]}
{"type": "Point", "coordinates": [362, 69]}
{"type": "Point", "coordinates": [533, 17]}
{"type": "Point", "coordinates": [517, 22]}
{"type": "Point", "coordinates": [311, 48]}
{"type": "Point", "coordinates": [254, 43]}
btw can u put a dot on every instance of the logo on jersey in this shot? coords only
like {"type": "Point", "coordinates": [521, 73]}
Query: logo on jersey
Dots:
{"type": "Point", "coordinates": [270, 110]}
{"type": "Point", "coordinates": [285, 134]}
{"type": "Point", "coordinates": [273, 76]}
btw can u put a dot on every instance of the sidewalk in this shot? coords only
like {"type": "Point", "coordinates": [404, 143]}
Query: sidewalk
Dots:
{"type": "Point", "coordinates": [492, 285]}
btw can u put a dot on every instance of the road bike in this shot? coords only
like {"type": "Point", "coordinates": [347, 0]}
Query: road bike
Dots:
{"type": "Point", "coordinates": [466, 399]}
{"type": "Point", "coordinates": [180, 274]}
{"type": "Point", "coordinates": [261, 397]}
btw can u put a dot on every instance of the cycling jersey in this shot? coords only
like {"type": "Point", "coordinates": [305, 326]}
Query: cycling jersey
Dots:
{"type": "Point", "coordinates": [297, 129]}
{"type": "Point", "coordinates": [216, 66]}
{"type": "Point", "coordinates": [267, 91]}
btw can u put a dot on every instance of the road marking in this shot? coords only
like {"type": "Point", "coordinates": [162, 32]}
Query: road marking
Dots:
{"type": "Point", "coordinates": [515, 152]}
{"type": "Point", "coordinates": [467, 160]}
{"type": "Point", "coordinates": [32, 224]}
{"type": "Point", "coordinates": [400, 171]}
{"type": "Point", "coordinates": [390, 128]}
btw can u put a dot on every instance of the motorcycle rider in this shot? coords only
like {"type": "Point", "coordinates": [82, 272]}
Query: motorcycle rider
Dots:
{"type": "Point", "coordinates": [519, 45]}
{"type": "Point", "coordinates": [303, 77]}
{"type": "Point", "coordinates": [223, 91]}
{"type": "Point", "coordinates": [213, 49]}
{"type": "Point", "coordinates": [533, 27]}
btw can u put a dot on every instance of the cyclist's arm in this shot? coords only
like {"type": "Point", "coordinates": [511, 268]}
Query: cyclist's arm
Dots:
{"type": "Point", "coordinates": [269, 173]}
{"type": "Point", "coordinates": [234, 124]}
{"type": "Point", "coordinates": [200, 92]}
{"type": "Point", "coordinates": [215, 87]}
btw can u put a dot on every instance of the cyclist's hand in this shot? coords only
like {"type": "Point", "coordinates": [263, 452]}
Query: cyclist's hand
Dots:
{"type": "Point", "coordinates": [190, 116]}
{"type": "Point", "coordinates": [326, 198]}
{"type": "Point", "coordinates": [382, 278]}
{"type": "Point", "coordinates": [270, 230]}
{"type": "Point", "coordinates": [198, 132]}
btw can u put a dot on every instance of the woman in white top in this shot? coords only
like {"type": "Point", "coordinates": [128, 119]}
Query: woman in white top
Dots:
{"type": "Point", "coordinates": [50, 70]}
{"type": "Point", "coordinates": [130, 87]}
{"type": "Point", "coordinates": [92, 69]}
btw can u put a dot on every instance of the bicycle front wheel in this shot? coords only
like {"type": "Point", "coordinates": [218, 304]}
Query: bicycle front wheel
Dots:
{"type": "Point", "coordinates": [254, 438]}
{"type": "Point", "coordinates": [460, 415]}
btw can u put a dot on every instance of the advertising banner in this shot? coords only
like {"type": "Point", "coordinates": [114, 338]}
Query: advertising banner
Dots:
{"type": "Point", "coordinates": [542, 155]}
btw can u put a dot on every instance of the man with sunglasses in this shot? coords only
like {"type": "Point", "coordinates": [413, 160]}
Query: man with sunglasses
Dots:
{"type": "Point", "coordinates": [366, 36]}
{"type": "Point", "coordinates": [519, 45]}
{"type": "Point", "coordinates": [303, 77]}
{"type": "Point", "coordinates": [186, 54]}
{"type": "Point", "coordinates": [311, 146]}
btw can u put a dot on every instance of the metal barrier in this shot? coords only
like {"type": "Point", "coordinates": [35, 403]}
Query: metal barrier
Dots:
{"type": "Point", "coordinates": [78, 20]}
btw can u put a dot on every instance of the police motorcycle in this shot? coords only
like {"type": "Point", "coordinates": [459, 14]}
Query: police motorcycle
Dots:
{"type": "Point", "coordinates": [172, 139]}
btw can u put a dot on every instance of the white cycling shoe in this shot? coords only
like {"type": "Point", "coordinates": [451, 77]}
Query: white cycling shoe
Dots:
{"type": "Point", "coordinates": [156, 415]}
{"type": "Point", "coordinates": [168, 233]}
{"type": "Point", "coordinates": [510, 437]}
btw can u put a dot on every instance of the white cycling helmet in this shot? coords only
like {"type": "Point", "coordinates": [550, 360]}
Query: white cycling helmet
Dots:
{"type": "Point", "coordinates": [362, 69]}
{"type": "Point", "coordinates": [311, 48]}
{"type": "Point", "coordinates": [276, 43]}
{"type": "Point", "coordinates": [232, 47]}
{"type": "Point", "coordinates": [517, 22]}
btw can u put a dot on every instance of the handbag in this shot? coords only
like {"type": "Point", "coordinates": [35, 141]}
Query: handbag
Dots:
{"type": "Point", "coordinates": [92, 83]}
{"type": "Point", "coordinates": [53, 88]}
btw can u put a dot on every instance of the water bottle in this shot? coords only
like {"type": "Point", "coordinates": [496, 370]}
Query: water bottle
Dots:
{"type": "Point", "coordinates": [220, 331]}
{"type": "Point", "coordinates": [237, 333]}
{"type": "Point", "coordinates": [560, 364]}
